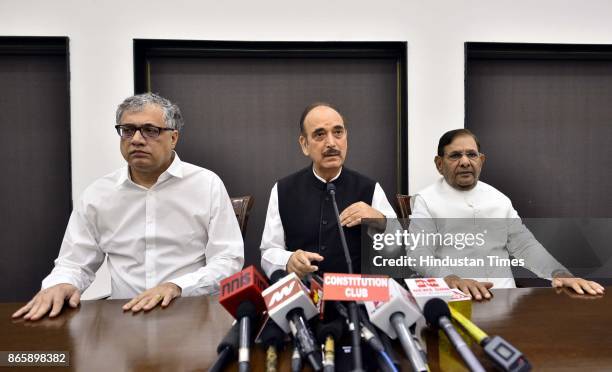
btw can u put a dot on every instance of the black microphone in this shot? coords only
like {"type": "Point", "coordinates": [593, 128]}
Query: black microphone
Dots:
{"type": "Point", "coordinates": [272, 338]}
{"type": "Point", "coordinates": [331, 190]}
{"type": "Point", "coordinates": [368, 332]}
{"type": "Point", "coordinates": [381, 344]}
{"type": "Point", "coordinates": [290, 306]}
{"type": "Point", "coordinates": [328, 334]}
{"type": "Point", "coordinates": [226, 349]}
{"type": "Point", "coordinates": [245, 314]}
{"type": "Point", "coordinates": [438, 316]}
{"type": "Point", "coordinates": [296, 359]}
{"type": "Point", "coordinates": [354, 325]}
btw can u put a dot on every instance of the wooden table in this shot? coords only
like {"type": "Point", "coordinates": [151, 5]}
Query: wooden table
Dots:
{"type": "Point", "coordinates": [554, 330]}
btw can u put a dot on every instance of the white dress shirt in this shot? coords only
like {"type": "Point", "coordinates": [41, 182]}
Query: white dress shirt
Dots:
{"type": "Point", "coordinates": [440, 208]}
{"type": "Point", "coordinates": [182, 230]}
{"type": "Point", "coordinates": [274, 253]}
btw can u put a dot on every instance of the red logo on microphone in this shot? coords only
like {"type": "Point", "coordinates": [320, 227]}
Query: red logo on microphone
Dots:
{"type": "Point", "coordinates": [284, 291]}
{"type": "Point", "coordinates": [427, 283]}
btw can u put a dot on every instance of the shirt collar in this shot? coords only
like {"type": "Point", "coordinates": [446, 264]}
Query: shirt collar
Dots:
{"type": "Point", "coordinates": [322, 179]}
{"type": "Point", "coordinates": [174, 170]}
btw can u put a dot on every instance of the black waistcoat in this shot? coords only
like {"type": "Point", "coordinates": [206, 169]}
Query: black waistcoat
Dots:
{"type": "Point", "coordinates": [307, 214]}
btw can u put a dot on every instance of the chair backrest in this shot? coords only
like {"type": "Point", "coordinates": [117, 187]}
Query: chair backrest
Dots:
{"type": "Point", "coordinates": [242, 208]}
{"type": "Point", "coordinates": [403, 203]}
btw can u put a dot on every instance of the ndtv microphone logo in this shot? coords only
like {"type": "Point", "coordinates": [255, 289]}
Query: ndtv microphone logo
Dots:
{"type": "Point", "coordinates": [427, 283]}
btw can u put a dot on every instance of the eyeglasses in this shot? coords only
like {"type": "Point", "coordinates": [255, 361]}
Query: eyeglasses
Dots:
{"type": "Point", "coordinates": [127, 131]}
{"type": "Point", "coordinates": [456, 155]}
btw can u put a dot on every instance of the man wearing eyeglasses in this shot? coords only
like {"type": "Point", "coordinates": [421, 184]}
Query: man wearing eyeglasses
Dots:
{"type": "Point", "coordinates": [458, 203]}
{"type": "Point", "coordinates": [166, 226]}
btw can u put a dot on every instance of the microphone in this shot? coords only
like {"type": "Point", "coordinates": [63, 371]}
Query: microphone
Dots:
{"type": "Point", "coordinates": [226, 349]}
{"type": "Point", "coordinates": [393, 318]}
{"type": "Point", "coordinates": [327, 334]}
{"type": "Point", "coordinates": [245, 285]}
{"type": "Point", "coordinates": [352, 307]}
{"type": "Point", "coordinates": [437, 315]}
{"type": "Point", "coordinates": [296, 359]}
{"type": "Point", "coordinates": [331, 190]}
{"type": "Point", "coordinates": [289, 305]}
{"type": "Point", "coordinates": [272, 338]}
{"type": "Point", "coordinates": [504, 355]}
{"type": "Point", "coordinates": [387, 360]}
{"type": "Point", "coordinates": [368, 333]}
{"type": "Point", "coordinates": [246, 314]}
{"type": "Point", "coordinates": [241, 297]}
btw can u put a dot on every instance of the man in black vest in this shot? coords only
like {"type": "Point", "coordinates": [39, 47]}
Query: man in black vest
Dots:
{"type": "Point", "coordinates": [301, 233]}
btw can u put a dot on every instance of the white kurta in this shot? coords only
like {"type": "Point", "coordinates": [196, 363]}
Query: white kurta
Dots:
{"type": "Point", "coordinates": [442, 209]}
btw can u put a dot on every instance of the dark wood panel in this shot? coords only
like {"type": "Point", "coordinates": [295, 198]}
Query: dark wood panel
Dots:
{"type": "Point", "coordinates": [242, 116]}
{"type": "Point", "coordinates": [545, 128]}
{"type": "Point", "coordinates": [35, 194]}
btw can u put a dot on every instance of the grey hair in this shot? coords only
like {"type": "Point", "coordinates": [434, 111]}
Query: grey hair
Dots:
{"type": "Point", "coordinates": [172, 113]}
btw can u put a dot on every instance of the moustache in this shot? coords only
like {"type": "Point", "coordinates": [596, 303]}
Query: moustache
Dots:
{"type": "Point", "coordinates": [331, 152]}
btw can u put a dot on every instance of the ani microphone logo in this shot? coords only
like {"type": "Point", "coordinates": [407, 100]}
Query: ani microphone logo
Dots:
{"type": "Point", "coordinates": [280, 294]}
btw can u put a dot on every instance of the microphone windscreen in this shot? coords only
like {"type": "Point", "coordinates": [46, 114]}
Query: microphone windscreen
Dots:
{"type": "Point", "coordinates": [272, 335]}
{"type": "Point", "coordinates": [246, 308]}
{"type": "Point", "coordinates": [277, 275]}
{"type": "Point", "coordinates": [231, 339]}
{"type": "Point", "coordinates": [331, 187]}
{"type": "Point", "coordinates": [434, 309]}
{"type": "Point", "coordinates": [334, 328]}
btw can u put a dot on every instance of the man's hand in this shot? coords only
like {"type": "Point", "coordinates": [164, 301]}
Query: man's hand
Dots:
{"type": "Point", "coordinates": [150, 298]}
{"type": "Point", "coordinates": [299, 262]}
{"type": "Point", "coordinates": [52, 299]}
{"type": "Point", "coordinates": [478, 290]}
{"type": "Point", "coordinates": [354, 213]}
{"type": "Point", "coordinates": [579, 285]}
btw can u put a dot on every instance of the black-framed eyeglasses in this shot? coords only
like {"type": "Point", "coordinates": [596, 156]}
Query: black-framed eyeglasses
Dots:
{"type": "Point", "coordinates": [127, 131]}
{"type": "Point", "coordinates": [456, 155]}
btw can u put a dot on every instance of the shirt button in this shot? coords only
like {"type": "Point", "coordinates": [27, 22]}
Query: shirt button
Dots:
{"type": "Point", "coordinates": [324, 222]}
{"type": "Point", "coordinates": [323, 248]}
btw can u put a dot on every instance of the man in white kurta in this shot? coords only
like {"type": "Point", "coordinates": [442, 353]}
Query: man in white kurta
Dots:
{"type": "Point", "coordinates": [166, 226]}
{"type": "Point", "coordinates": [459, 203]}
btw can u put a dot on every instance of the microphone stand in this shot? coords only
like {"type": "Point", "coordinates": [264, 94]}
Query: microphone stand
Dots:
{"type": "Point", "coordinates": [354, 325]}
